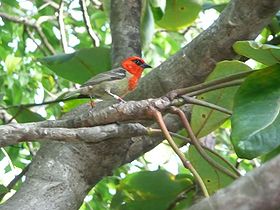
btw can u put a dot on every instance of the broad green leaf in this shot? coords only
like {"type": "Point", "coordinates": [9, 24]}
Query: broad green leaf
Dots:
{"type": "Point", "coordinates": [23, 115]}
{"type": "Point", "coordinates": [149, 190]}
{"type": "Point", "coordinates": [12, 63]}
{"type": "Point", "coordinates": [263, 53]}
{"type": "Point", "coordinates": [212, 178]}
{"type": "Point", "coordinates": [179, 14]}
{"type": "Point", "coordinates": [256, 119]}
{"type": "Point", "coordinates": [147, 25]}
{"type": "Point", "coordinates": [80, 65]}
{"type": "Point", "coordinates": [205, 120]}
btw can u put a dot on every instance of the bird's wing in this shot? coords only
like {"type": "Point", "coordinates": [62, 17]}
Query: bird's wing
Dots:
{"type": "Point", "coordinates": [114, 74]}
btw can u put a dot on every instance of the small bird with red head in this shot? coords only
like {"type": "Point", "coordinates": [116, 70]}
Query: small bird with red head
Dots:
{"type": "Point", "coordinates": [115, 83]}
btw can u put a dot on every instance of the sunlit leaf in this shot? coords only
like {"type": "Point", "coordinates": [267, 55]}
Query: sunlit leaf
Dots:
{"type": "Point", "coordinates": [12, 63]}
{"type": "Point", "coordinates": [263, 53]}
{"type": "Point", "coordinates": [179, 14]}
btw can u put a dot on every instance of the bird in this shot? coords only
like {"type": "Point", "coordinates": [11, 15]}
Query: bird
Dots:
{"type": "Point", "coordinates": [115, 83]}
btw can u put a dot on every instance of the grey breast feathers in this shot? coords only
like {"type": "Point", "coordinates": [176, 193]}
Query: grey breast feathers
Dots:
{"type": "Point", "coordinates": [114, 74]}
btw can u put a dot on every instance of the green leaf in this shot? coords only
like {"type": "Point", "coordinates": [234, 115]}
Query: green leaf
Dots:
{"type": "Point", "coordinates": [179, 14]}
{"type": "Point", "coordinates": [158, 8]}
{"type": "Point", "coordinates": [80, 65]}
{"type": "Point", "coordinates": [149, 190]}
{"type": "Point", "coordinates": [158, 3]}
{"type": "Point", "coordinates": [205, 120]}
{"type": "Point", "coordinates": [147, 25]}
{"type": "Point", "coordinates": [256, 119]}
{"type": "Point", "coordinates": [3, 190]}
{"type": "Point", "coordinates": [23, 115]}
{"type": "Point", "coordinates": [12, 63]}
{"type": "Point", "coordinates": [263, 53]}
{"type": "Point", "coordinates": [212, 178]}
{"type": "Point", "coordinates": [68, 105]}
{"type": "Point", "coordinates": [274, 26]}
{"type": "Point", "coordinates": [271, 154]}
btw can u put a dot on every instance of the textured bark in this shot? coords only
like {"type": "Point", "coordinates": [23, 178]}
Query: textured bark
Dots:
{"type": "Point", "coordinates": [15, 133]}
{"type": "Point", "coordinates": [257, 190]}
{"type": "Point", "coordinates": [61, 174]}
{"type": "Point", "coordinates": [125, 27]}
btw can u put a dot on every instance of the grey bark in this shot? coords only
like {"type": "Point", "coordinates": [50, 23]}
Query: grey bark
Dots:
{"type": "Point", "coordinates": [61, 174]}
{"type": "Point", "coordinates": [15, 133]}
{"type": "Point", "coordinates": [125, 28]}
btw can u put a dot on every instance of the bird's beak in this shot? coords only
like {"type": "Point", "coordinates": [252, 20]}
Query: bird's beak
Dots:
{"type": "Point", "coordinates": [144, 65]}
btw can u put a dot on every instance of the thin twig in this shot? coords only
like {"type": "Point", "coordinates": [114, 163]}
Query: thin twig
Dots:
{"type": "Point", "coordinates": [197, 145]}
{"type": "Point", "coordinates": [18, 177]}
{"type": "Point", "coordinates": [44, 39]}
{"type": "Point", "coordinates": [216, 87]}
{"type": "Point", "coordinates": [158, 117]}
{"type": "Point", "coordinates": [61, 25]}
{"type": "Point", "coordinates": [52, 4]}
{"type": "Point", "coordinates": [32, 24]}
{"type": "Point", "coordinates": [43, 103]}
{"type": "Point", "coordinates": [198, 102]}
{"type": "Point", "coordinates": [92, 34]}
{"type": "Point", "coordinates": [15, 180]}
{"type": "Point", "coordinates": [180, 197]}
{"type": "Point", "coordinates": [34, 40]}
{"type": "Point", "coordinates": [188, 141]}
{"type": "Point", "coordinates": [207, 84]}
{"type": "Point", "coordinates": [19, 20]}
{"type": "Point", "coordinates": [16, 115]}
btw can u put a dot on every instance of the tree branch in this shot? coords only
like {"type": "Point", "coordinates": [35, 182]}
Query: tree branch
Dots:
{"type": "Point", "coordinates": [94, 38]}
{"type": "Point", "coordinates": [15, 133]}
{"type": "Point", "coordinates": [63, 38]}
{"type": "Point", "coordinates": [125, 28]}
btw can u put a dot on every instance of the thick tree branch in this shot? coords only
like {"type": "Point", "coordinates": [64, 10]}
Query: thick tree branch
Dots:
{"type": "Point", "coordinates": [257, 190]}
{"type": "Point", "coordinates": [125, 27]}
{"type": "Point", "coordinates": [15, 133]}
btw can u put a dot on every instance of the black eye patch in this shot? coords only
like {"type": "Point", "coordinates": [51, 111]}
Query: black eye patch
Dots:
{"type": "Point", "coordinates": [138, 62]}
